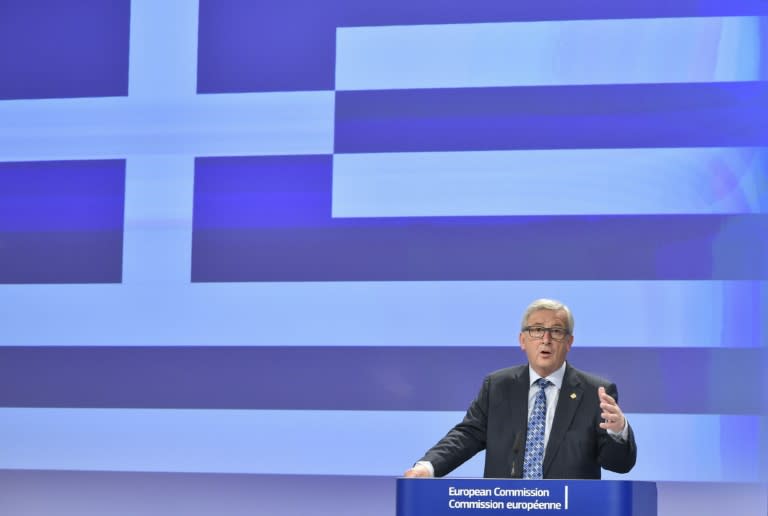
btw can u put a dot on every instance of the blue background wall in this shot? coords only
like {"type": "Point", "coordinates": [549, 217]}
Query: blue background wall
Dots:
{"type": "Point", "coordinates": [258, 256]}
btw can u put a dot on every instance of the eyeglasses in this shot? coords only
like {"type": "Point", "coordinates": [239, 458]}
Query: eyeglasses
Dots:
{"type": "Point", "coordinates": [537, 332]}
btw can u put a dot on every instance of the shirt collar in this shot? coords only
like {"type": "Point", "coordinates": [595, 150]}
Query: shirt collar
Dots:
{"type": "Point", "coordinates": [556, 377]}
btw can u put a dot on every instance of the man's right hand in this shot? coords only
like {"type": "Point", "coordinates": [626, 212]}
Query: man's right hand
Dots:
{"type": "Point", "coordinates": [418, 471]}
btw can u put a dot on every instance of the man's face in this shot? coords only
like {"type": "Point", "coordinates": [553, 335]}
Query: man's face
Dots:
{"type": "Point", "coordinates": [546, 354]}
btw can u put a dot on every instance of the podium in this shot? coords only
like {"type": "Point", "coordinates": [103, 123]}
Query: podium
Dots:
{"type": "Point", "coordinates": [489, 497]}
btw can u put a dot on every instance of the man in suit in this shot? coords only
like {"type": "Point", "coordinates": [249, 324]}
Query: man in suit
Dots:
{"type": "Point", "coordinates": [545, 419]}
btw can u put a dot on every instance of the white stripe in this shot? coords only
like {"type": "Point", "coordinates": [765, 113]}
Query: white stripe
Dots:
{"type": "Point", "coordinates": [461, 313]}
{"type": "Point", "coordinates": [157, 234]}
{"type": "Point", "coordinates": [550, 182]}
{"type": "Point", "coordinates": [157, 237]}
{"type": "Point", "coordinates": [549, 53]}
{"type": "Point", "coordinates": [311, 442]}
{"type": "Point", "coordinates": [203, 125]}
{"type": "Point", "coordinates": [163, 43]}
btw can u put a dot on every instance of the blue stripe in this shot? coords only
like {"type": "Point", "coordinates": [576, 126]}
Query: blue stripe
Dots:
{"type": "Point", "coordinates": [56, 50]}
{"type": "Point", "coordinates": [621, 116]}
{"type": "Point", "coordinates": [76, 195]}
{"type": "Point", "coordinates": [61, 257]}
{"type": "Point", "coordinates": [487, 248]}
{"type": "Point", "coordinates": [284, 442]}
{"type": "Point", "coordinates": [385, 378]}
{"type": "Point", "coordinates": [61, 221]}
{"type": "Point", "coordinates": [262, 190]}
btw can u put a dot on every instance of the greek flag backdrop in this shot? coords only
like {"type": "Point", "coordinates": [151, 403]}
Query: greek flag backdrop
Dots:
{"type": "Point", "coordinates": [256, 257]}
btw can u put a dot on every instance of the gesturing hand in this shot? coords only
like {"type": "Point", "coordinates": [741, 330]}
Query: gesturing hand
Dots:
{"type": "Point", "coordinates": [613, 417]}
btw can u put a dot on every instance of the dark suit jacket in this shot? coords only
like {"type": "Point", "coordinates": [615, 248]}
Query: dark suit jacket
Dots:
{"type": "Point", "coordinates": [497, 420]}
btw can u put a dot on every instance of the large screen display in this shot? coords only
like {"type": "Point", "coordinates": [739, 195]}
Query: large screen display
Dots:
{"type": "Point", "coordinates": [284, 241]}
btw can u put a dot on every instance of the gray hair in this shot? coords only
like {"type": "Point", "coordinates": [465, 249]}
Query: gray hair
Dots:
{"type": "Point", "coordinates": [548, 304]}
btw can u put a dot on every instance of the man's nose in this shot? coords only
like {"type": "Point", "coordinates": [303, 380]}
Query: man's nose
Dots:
{"type": "Point", "coordinates": [547, 336]}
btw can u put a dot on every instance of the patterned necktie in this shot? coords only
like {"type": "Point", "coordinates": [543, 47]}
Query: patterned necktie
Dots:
{"type": "Point", "coordinates": [534, 441]}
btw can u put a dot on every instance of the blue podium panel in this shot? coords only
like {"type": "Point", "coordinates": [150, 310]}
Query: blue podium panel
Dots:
{"type": "Point", "coordinates": [452, 497]}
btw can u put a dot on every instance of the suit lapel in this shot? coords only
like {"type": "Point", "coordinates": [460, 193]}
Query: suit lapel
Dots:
{"type": "Point", "coordinates": [519, 399]}
{"type": "Point", "coordinates": [568, 403]}
{"type": "Point", "coordinates": [518, 409]}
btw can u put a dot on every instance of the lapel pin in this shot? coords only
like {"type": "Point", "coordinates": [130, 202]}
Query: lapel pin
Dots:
{"type": "Point", "coordinates": [573, 395]}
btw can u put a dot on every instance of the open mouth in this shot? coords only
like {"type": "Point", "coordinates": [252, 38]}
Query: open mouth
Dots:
{"type": "Point", "coordinates": [545, 353]}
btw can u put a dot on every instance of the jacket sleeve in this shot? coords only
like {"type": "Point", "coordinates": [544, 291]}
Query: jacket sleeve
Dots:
{"type": "Point", "coordinates": [465, 439]}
